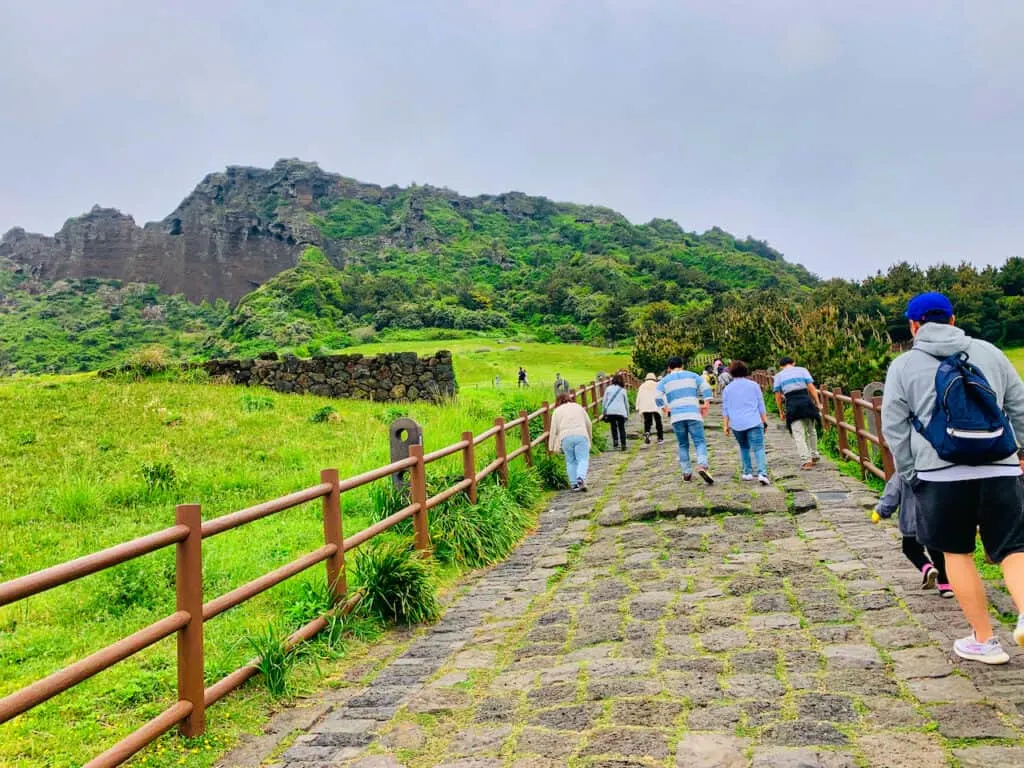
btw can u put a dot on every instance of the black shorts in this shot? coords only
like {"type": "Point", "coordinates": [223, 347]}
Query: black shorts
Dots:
{"type": "Point", "coordinates": [950, 514]}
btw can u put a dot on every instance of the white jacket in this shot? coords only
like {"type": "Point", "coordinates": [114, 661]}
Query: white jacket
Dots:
{"type": "Point", "coordinates": [645, 397]}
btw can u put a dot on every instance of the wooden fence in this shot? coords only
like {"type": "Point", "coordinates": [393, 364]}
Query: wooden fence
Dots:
{"type": "Point", "coordinates": [862, 440]}
{"type": "Point", "coordinates": [187, 534]}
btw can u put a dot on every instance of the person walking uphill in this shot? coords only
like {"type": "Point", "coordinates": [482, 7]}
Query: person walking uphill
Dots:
{"type": "Point", "coordinates": [683, 396]}
{"type": "Point", "coordinates": [615, 408]}
{"type": "Point", "coordinates": [743, 413]}
{"type": "Point", "coordinates": [645, 403]}
{"type": "Point", "coordinates": [799, 404]}
{"type": "Point", "coordinates": [952, 408]}
{"type": "Point", "coordinates": [571, 434]}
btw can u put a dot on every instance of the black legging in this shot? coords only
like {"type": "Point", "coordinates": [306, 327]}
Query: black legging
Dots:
{"type": "Point", "coordinates": [655, 418]}
{"type": "Point", "coordinates": [915, 553]}
{"type": "Point", "coordinates": [618, 424]}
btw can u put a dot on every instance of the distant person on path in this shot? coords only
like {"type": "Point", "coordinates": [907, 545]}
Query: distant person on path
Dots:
{"type": "Point", "coordinates": [646, 403]}
{"type": "Point", "coordinates": [497, 381]}
{"type": "Point", "coordinates": [799, 406]}
{"type": "Point", "coordinates": [899, 495]}
{"type": "Point", "coordinates": [571, 435]}
{"type": "Point", "coordinates": [744, 414]}
{"type": "Point", "coordinates": [522, 377]}
{"type": "Point", "coordinates": [561, 385]}
{"type": "Point", "coordinates": [615, 408]}
{"type": "Point", "coordinates": [724, 379]}
{"type": "Point", "coordinates": [952, 408]}
{"type": "Point", "coordinates": [683, 397]}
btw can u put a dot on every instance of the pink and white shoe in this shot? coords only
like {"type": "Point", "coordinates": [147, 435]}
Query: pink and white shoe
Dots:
{"type": "Point", "coordinates": [930, 575]}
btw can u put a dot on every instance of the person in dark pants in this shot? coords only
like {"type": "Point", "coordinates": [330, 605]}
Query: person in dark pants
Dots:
{"type": "Point", "coordinates": [931, 564]}
{"type": "Point", "coordinates": [615, 408]}
{"type": "Point", "coordinates": [646, 404]}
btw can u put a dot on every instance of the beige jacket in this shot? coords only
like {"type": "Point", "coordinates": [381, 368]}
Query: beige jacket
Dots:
{"type": "Point", "coordinates": [568, 419]}
{"type": "Point", "coordinates": [645, 397]}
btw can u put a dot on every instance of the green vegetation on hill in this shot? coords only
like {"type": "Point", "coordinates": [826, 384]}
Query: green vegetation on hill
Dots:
{"type": "Point", "coordinates": [90, 462]}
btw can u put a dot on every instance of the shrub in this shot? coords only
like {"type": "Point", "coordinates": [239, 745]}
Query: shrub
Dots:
{"type": "Point", "coordinates": [159, 476]}
{"type": "Point", "coordinates": [503, 521]}
{"type": "Point", "coordinates": [306, 600]}
{"type": "Point", "coordinates": [386, 499]}
{"type": "Point", "coordinates": [524, 484]}
{"type": "Point", "coordinates": [398, 585]}
{"type": "Point", "coordinates": [391, 413]}
{"type": "Point", "coordinates": [551, 471]}
{"type": "Point", "coordinates": [599, 444]}
{"type": "Point", "coordinates": [275, 660]}
{"type": "Point", "coordinates": [252, 403]}
{"type": "Point", "coordinates": [325, 414]}
{"type": "Point", "coordinates": [455, 533]}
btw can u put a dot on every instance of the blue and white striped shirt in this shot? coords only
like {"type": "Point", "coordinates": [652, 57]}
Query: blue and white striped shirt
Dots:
{"type": "Point", "coordinates": [791, 379]}
{"type": "Point", "coordinates": [682, 391]}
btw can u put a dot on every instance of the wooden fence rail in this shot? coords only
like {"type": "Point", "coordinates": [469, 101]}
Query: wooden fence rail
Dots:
{"type": "Point", "coordinates": [862, 440]}
{"type": "Point", "coordinates": [191, 612]}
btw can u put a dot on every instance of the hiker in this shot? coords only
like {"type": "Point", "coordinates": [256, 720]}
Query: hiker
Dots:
{"type": "Point", "coordinates": [931, 565]}
{"type": "Point", "coordinates": [645, 403]}
{"type": "Point", "coordinates": [561, 385]}
{"type": "Point", "coordinates": [571, 435]}
{"type": "Point", "coordinates": [710, 378]}
{"type": "Point", "coordinates": [522, 377]}
{"type": "Point", "coordinates": [615, 410]}
{"type": "Point", "coordinates": [497, 381]}
{"type": "Point", "coordinates": [682, 395]}
{"type": "Point", "coordinates": [799, 406]}
{"type": "Point", "coordinates": [958, 452]}
{"type": "Point", "coordinates": [724, 379]}
{"type": "Point", "coordinates": [744, 414]}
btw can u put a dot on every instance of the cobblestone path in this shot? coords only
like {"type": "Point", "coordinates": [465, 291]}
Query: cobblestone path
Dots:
{"type": "Point", "coordinates": [656, 623]}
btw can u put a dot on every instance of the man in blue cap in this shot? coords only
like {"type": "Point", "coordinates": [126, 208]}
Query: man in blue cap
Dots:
{"type": "Point", "coordinates": [961, 487]}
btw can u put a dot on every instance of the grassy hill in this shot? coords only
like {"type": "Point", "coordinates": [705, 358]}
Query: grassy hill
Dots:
{"type": "Point", "coordinates": [91, 462]}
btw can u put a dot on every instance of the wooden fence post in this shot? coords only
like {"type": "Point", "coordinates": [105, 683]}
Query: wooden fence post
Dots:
{"type": "Point", "coordinates": [188, 578]}
{"type": "Point", "coordinates": [858, 422]}
{"type": "Point", "coordinates": [418, 495]}
{"type": "Point", "coordinates": [333, 535]}
{"type": "Point", "coordinates": [499, 446]}
{"type": "Point", "coordinates": [547, 422]}
{"type": "Point", "coordinates": [888, 465]}
{"type": "Point", "coordinates": [524, 433]}
{"type": "Point", "coordinates": [593, 391]}
{"type": "Point", "coordinates": [840, 418]}
{"type": "Point", "coordinates": [583, 398]}
{"type": "Point", "coordinates": [469, 466]}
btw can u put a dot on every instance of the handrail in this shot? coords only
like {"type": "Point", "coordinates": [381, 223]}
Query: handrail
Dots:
{"type": "Point", "coordinates": [239, 595]}
{"type": "Point", "coordinates": [440, 453]}
{"type": "Point", "coordinates": [42, 690]}
{"type": "Point", "coordinates": [187, 535]}
{"type": "Point", "coordinates": [267, 508]}
{"type": "Point", "coordinates": [64, 573]}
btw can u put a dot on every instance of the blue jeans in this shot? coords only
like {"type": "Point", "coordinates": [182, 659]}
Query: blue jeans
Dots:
{"type": "Point", "coordinates": [688, 430]}
{"type": "Point", "coordinates": [751, 442]}
{"type": "Point", "coordinates": [577, 457]}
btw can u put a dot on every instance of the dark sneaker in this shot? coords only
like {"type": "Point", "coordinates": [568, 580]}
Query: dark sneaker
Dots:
{"type": "Point", "coordinates": [705, 475]}
{"type": "Point", "coordinates": [989, 652]}
{"type": "Point", "coordinates": [946, 591]}
{"type": "Point", "coordinates": [615, 446]}
{"type": "Point", "coordinates": [582, 488]}
{"type": "Point", "coordinates": [574, 487]}
{"type": "Point", "coordinates": [647, 439]}
{"type": "Point", "coordinates": [687, 476]}
{"type": "Point", "coordinates": [930, 575]}
{"type": "Point", "coordinates": [815, 459]}
{"type": "Point", "coordinates": [622, 447]}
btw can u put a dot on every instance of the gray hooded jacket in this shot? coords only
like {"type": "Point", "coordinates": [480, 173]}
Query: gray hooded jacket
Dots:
{"type": "Point", "coordinates": [910, 388]}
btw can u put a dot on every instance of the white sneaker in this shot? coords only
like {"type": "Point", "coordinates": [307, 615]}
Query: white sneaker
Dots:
{"type": "Point", "coordinates": [746, 478]}
{"type": "Point", "coordinates": [989, 652]}
{"type": "Point", "coordinates": [763, 480]}
{"type": "Point", "coordinates": [1018, 632]}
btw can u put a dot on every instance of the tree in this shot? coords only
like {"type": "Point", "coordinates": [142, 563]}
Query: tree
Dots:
{"type": "Point", "coordinates": [655, 343]}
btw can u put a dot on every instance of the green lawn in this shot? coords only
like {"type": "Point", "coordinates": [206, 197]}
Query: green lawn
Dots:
{"type": "Point", "coordinates": [75, 454]}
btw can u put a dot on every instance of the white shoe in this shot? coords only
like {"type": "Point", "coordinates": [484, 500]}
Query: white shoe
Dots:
{"type": "Point", "coordinates": [763, 480]}
{"type": "Point", "coordinates": [746, 478]}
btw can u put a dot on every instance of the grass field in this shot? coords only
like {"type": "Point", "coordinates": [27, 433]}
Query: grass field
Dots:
{"type": "Point", "coordinates": [88, 463]}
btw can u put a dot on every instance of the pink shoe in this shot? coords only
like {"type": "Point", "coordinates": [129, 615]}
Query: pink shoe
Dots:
{"type": "Point", "coordinates": [945, 590]}
{"type": "Point", "coordinates": [930, 574]}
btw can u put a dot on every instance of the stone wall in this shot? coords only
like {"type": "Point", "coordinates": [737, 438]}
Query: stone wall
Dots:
{"type": "Point", "coordinates": [397, 376]}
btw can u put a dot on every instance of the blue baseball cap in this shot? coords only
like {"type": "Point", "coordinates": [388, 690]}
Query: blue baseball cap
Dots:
{"type": "Point", "coordinates": [929, 306]}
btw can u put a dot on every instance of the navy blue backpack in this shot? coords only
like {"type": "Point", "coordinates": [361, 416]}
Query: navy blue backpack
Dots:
{"type": "Point", "coordinates": [968, 426]}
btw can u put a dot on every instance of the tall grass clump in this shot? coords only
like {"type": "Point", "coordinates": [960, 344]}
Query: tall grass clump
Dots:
{"type": "Point", "coordinates": [75, 500]}
{"type": "Point", "coordinates": [275, 661]}
{"type": "Point", "coordinates": [254, 403]}
{"type": "Point", "coordinates": [398, 585]}
{"type": "Point", "coordinates": [551, 471]}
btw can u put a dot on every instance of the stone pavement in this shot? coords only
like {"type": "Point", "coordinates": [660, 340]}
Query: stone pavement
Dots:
{"type": "Point", "coordinates": [656, 623]}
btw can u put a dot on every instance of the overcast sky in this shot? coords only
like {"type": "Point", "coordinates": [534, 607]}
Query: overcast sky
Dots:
{"type": "Point", "coordinates": [850, 135]}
